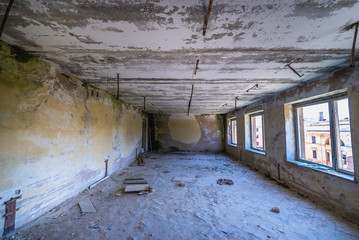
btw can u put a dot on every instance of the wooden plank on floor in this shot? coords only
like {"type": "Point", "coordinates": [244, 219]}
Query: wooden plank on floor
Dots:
{"type": "Point", "coordinates": [130, 181]}
{"type": "Point", "coordinates": [86, 206]}
{"type": "Point", "coordinates": [137, 188]}
{"type": "Point", "coordinates": [184, 179]}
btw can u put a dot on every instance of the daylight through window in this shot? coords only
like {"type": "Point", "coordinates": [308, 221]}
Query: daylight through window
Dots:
{"type": "Point", "coordinates": [323, 134]}
{"type": "Point", "coordinates": [257, 138]}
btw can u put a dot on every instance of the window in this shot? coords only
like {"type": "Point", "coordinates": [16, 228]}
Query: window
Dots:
{"type": "Point", "coordinates": [314, 154]}
{"type": "Point", "coordinates": [232, 132]}
{"type": "Point", "coordinates": [328, 156]}
{"type": "Point", "coordinates": [323, 133]}
{"type": "Point", "coordinates": [257, 129]}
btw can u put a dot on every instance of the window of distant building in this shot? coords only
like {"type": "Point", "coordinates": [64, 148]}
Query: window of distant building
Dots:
{"type": "Point", "coordinates": [232, 131]}
{"type": "Point", "coordinates": [323, 133]}
{"type": "Point", "coordinates": [257, 131]}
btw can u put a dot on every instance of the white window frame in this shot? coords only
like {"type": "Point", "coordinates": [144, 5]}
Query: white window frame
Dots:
{"type": "Point", "coordinates": [230, 132]}
{"type": "Point", "coordinates": [334, 131]}
{"type": "Point", "coordinates": [252, 138]}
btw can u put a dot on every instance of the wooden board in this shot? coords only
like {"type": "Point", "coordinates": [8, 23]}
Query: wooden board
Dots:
{"type": "Point", "coordinates": [129, 181]}
{"type": "Point", "coordinates": [86, 206]}
{"type": "Point", "coordinates": [184, 179]}
{"type": "Point", "coordinates": [137, 188]}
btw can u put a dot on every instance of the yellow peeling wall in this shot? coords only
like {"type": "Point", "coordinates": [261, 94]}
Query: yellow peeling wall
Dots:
{"type": "Point", "coordinates": [55, 133]}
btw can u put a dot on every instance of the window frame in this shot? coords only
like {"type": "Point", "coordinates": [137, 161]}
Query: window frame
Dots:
{"type": "Point", "coordinates": [333, 128]}
{"type": "Point", "coordinates": [251, 137]}
{"type": "Point", "coordinates": [230, 135]}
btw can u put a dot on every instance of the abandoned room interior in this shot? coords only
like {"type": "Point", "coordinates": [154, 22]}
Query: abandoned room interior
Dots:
{"type": "Point", "coordinates": [164, 119]}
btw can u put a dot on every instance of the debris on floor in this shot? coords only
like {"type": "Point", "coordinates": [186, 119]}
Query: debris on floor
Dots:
{"type": "Point", "coordinates": [86, 206]}
{"type": "Point", "coordinates": [143, 192]}
{"type": "Point", "coordinates": [224, 181]}
{"type": "Point", "coordinates": [119, 192]}
{"type": "Point", "coordinates": [275, 210]}
{"type": "Point", "coordinates": [181, 184]}
{"type": "Point", "coordinates": [137, 188]}
{"type": "Point", "coordinates": [184, 179]}
{"type": "Point", "coordinates": [135, 181]}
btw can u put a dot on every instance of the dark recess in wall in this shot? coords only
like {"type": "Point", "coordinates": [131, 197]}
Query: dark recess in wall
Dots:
{"type": "Point", "coordinates": [155, 145]}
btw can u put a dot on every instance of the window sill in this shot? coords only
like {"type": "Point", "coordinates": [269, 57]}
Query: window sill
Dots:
{"type": "Point", "coordinates": [323, 169]}
{"type": "Point", "coordinates": [232, 145]}
{"type": "Point", "coordinates": [256, 151]}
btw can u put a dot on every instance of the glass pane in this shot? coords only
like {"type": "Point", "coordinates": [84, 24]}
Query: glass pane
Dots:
{"type": "Point", "coordinates": [314, 133]}
{"type": "Point", "coordinates": [345, 156]}
{"type": "Point", "coordinates": [257, 132]}
{"type": "Point", "coordinates": [234, 131]}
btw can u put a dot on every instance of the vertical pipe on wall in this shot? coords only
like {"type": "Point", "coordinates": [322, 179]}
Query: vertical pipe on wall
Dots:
{"type": "Point", "coordinates": [352, 62]}
{"type": "Point", "coordinates": [118, 86]}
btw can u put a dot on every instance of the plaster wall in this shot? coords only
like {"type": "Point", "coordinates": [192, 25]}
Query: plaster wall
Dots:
{"type": "Point", "coordinates": [332, 190]}
{"type": "Point", "coordinates": [55, 132]}
{"type": "Point", "coordinates": [193, 133]}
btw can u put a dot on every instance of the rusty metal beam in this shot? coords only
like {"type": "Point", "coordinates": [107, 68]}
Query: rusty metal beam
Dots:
{"type": "Point", "coordinates": [291, 68]}
{"type": "Point", "coordinates": [118, 86]}
{"type": "Point", "coordinates": [5, 16]}
{"type": "Point", "coordinates": [207, 17]}
{"type": "Point", "coordinates": [190, 100]}
{"type": "Point", "coordinates": [352, 61]}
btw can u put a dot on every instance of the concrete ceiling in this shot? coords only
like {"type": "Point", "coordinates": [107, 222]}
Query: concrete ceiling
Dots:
{"type": "Point", "coordinates": [153, 45]}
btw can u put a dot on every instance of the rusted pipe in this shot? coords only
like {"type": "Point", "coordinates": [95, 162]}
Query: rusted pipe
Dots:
{"type": "Point", "coordinates": [196, 68]}
{"type": "Point", "coordinates": [352, 62]}
{"type": "Point", "coordinates": [5, 16]}
{"type": "Point", "coordinates": [294, 71]}
{"type": "Point", "coordinates": [190, 100]}
{"type": "Point", "coordinates": [207, 17]}
{"type": "Point", "coordinates": [118, 86]}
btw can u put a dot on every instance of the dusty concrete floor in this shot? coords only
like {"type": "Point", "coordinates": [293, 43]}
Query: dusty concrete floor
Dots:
{"type": "Point", "coordinates": [200, 210]}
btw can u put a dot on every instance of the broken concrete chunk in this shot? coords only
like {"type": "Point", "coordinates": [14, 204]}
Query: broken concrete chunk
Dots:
{"type": "Point", "coordinates": [86, 206]}
{"type": "Point", "coordinates": [275, 210]}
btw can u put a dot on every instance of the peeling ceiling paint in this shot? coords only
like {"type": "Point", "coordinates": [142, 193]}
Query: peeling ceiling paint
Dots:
{"type": "Point", "coordinates": [155, 44]}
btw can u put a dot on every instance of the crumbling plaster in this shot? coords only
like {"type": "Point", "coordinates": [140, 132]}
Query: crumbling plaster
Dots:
{"type": "Point", "coordinates": [55, 133]}
{"type": "Point", "coordinates": [332, 190]}
{"type": "Point", "coordinates": [154, 45]}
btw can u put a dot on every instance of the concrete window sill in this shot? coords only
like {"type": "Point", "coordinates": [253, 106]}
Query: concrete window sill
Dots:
{"type": "Point", "coordinates": [232, 145]}
{"type": "Point", "coordinates": [256, 151]}
{"type": "Point", "coordinates": [323, 169]}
